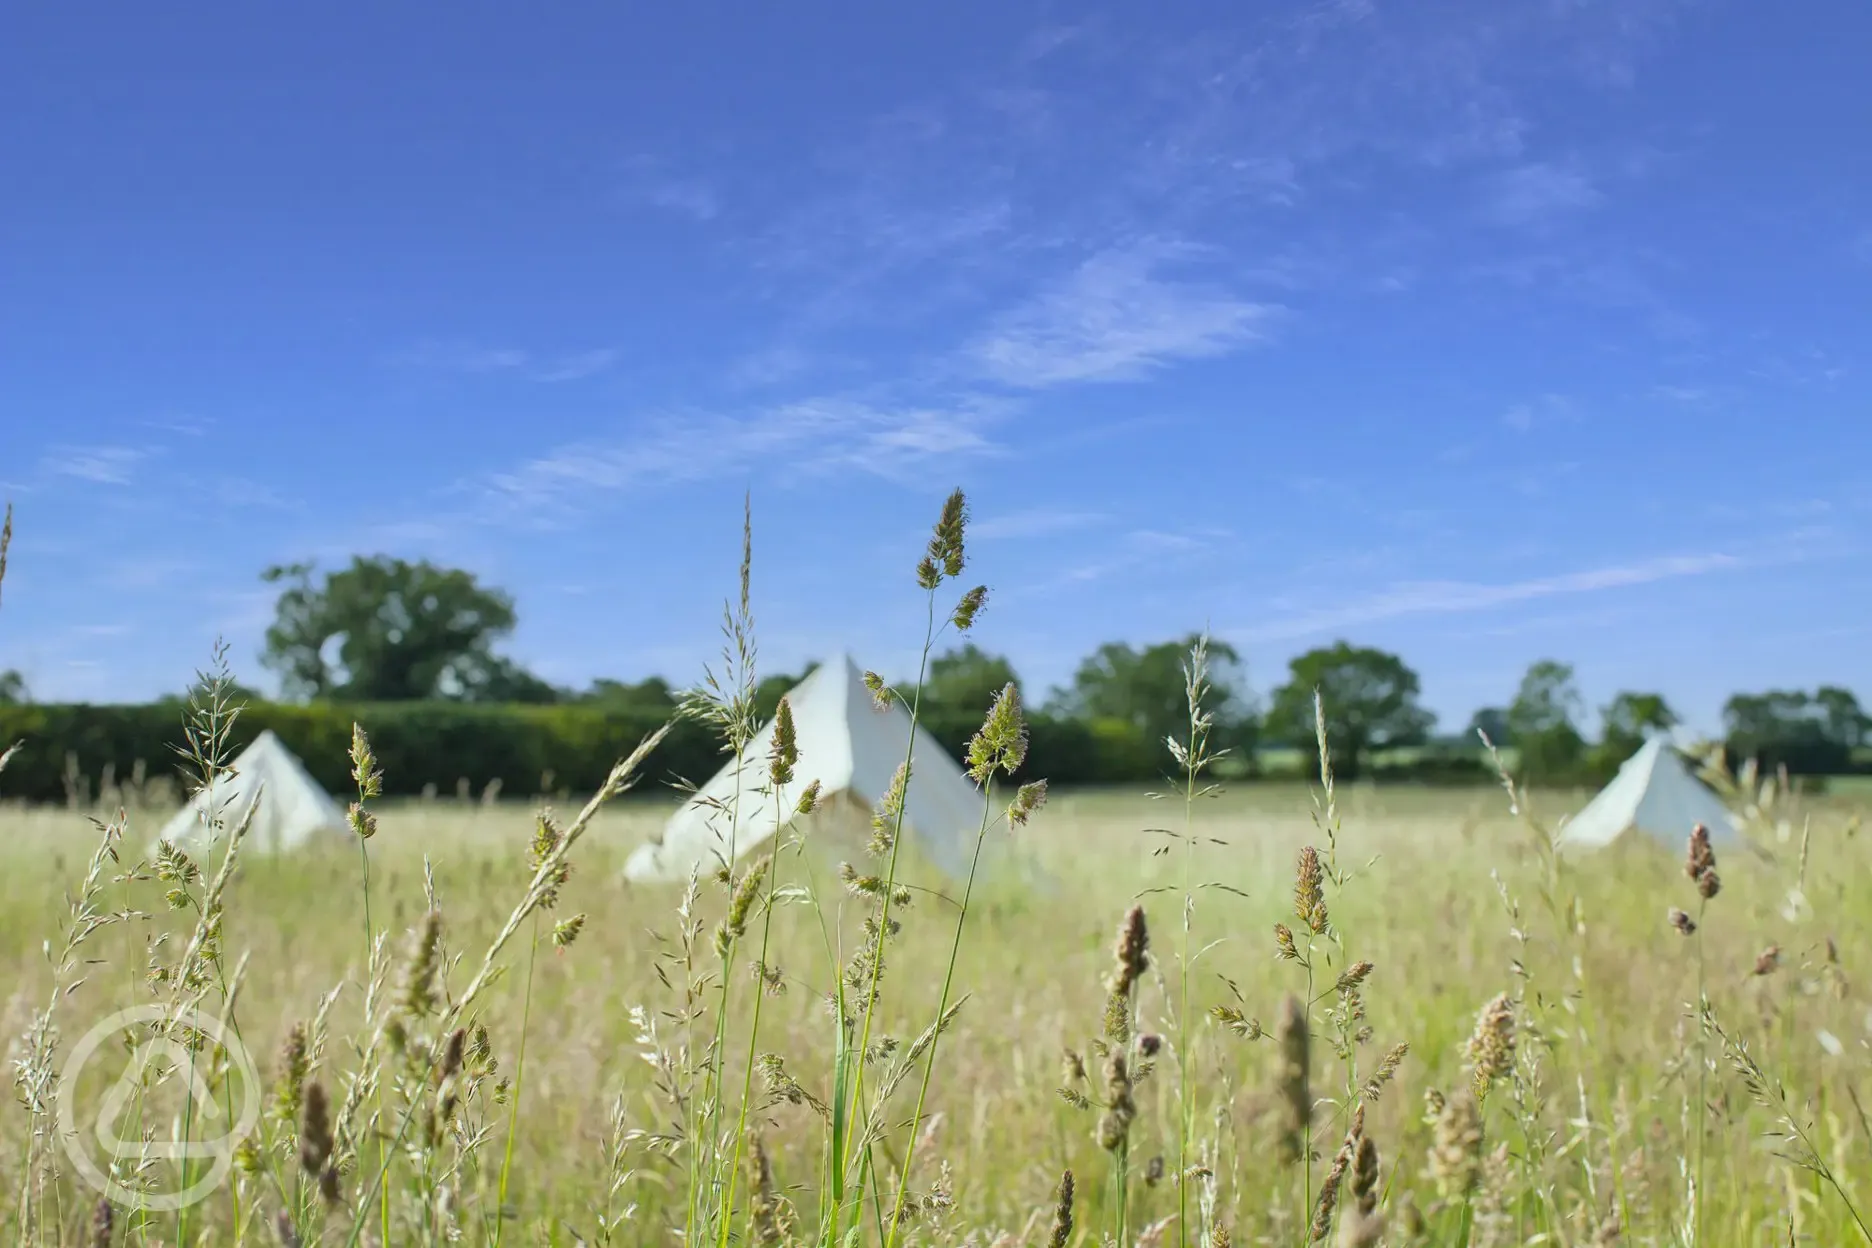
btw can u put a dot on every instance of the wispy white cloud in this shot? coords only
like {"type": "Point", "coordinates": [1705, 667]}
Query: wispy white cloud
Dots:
{"type": "Point", "coordinates": [808, 436]}
{"type": "Point", "coordinates": [1115, 318]}
{"type": "Point", "coordinates": [1533, 194]}
{"type": "Point", "coordinates": [1547, 409]}
{"type": "Point", "coordinates": [102, 465]}
{"type": "Point", "coordinates": [1461, 597]}
{"type": "Point", "coordinates": [578, 367]}
{"type": "Point", "coordinates": [1033, 522]}
{"type": "Point", "coordinates": [648, 181]}
{"type": "Point", "coordinates": [474, 360]}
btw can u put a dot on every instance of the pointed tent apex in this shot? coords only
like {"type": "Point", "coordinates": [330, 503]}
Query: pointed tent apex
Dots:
{"type": "Point", "coordinates": [1654, 793]}
{"type": "Point", "coordinates": [294, 811]}
{"type": "Point", "coordinates": [848, 747]}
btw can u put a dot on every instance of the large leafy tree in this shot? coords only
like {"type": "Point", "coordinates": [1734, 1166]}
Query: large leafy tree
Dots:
{"type": "Point", "coordinates": [1631, 717]}
{"type": "Point", "coordinates": [1147, 689]}
{"type": "Point", "coordinates": [1808, 733]}
{"type": "Point", "coordinates": [386, 629]}
{"type": "Point", "coordinates": [1544, 721]}
{"type": "Point", "coordinates": [13, 691]}
{"type": "Point", "coordinates": [1367, 697]}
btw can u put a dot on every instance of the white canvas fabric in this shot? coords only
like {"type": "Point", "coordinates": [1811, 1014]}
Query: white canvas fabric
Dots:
{"type": "Point", "coordinates": [1654, 793]}
{"type": "Point", "coordinates": [293, 811]}
{"type": "Point", "coordinates": [851, 748]}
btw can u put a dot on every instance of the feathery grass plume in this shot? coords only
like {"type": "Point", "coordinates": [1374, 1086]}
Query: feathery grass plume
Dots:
{"type": "Point", "coordinates": [1131, 958]}
{"type": "Point", "coordinates": [567, 930]}
{"type": "Point", "coordinates": [784, 755]}
{"type": "Point", "coordinates": [294, 1065]}
{"type": "Point", "coordinates": [1293, 1085]}
{"type": "Point", "coordinates": [741, 904]}
{"type": "Point", "coordinates": [1491, 1047]}
{"type": "Point", "coordinates": [546, 840]}
{"type": "Point", "coordinates": [1028, 799]}
{"type": "Point", "coordinates": [763, 1197]}
{"type": "Point", "coordinates": [889, 810]}
{"type": "Point", "coordinates": [6, 540]}
{"type": "Point", "coordinates": [1456, 1148]}
{"type": "Point", "coordinates": [1700, 855]}
{"type": "Point", "coordinates": [1062, 1212]}
{"type": "Point", "coordinates": [1114, 1125]}
{"type": "Point", "coordinates": [1001, 742]}
{"type": "Point", "coordinates": [968, 607]}
{"type": "Point", "coordinates": [1386, 1071]}
{"type": "Point", "coordinates": [945, 557]}
{"type": "Point", "coordinates": [315, 1141]}
{"type": "Point", "coordinates": [417, 997]}
{"type": "Point", "coordinates": [103, 1222]}
{"type": "Point", "coordinates": [1365, 1176]}
{"type": "Point", "coordinates": [1327, 1202]}
{"type": "Point", "coordinates": [1309, 893]}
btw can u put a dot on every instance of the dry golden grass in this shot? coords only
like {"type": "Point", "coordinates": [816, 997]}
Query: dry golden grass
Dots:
{"type": "Point", "coordinates": [1606, 1094]}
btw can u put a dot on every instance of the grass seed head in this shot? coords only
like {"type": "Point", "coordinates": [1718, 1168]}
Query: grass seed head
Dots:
{"type": "Point", "coordinates": [1028, 799]}
{"type": "Point", "coordinates": [1309, 892]}
{"type": "Point", "coordinates": [1001, 744]}
{"type": "Point", "coordinates": [1768, 960]}
{"type": "Point", "coordinates": [968, 608]}
{"type": "Point", "coordinates": [1492, 1045]}
{"type": "Point", "coordinates": [1062, 1212]}
{"type": "Point", "coordinates": [808, 799]}
{"type": "Point", "coordinates": [785, 753]}
{"type": "Point", "coordinates": [1296, 1096]}
{"type": "Point", "coordinates": [294, 1065]}
{"type": "Point", "coordinates": [1456, 1149]}
{"type": "Point", "coordinates": [1684, 924]}
{"type": "Point", "coordinates": [422, 968]}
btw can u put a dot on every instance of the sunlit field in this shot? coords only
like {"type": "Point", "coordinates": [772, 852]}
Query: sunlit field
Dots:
{"type": "Point", "coordinates": [1596, 1120]}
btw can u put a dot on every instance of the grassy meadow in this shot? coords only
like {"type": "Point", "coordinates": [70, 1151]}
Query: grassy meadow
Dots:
{"type": "Point", "coordinates": [1446, 893]}
{"type": "Point", "coordinates": [1270, 1016]}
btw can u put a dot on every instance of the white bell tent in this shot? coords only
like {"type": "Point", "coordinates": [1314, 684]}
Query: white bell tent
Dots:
{"type": "Point", "coordinates": [852, 749]}
{"type": "Point", "coordinates": [1654, 793]}
{"type": "Point", "coordinates": [293, 811]}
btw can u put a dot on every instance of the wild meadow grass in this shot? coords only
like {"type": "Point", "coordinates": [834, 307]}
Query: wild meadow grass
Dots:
{"type": "Point", "coordinates": [1275, 1015]}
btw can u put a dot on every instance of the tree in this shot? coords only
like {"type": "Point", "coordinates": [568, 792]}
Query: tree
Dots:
{"type": "Point", "coordinates": [1542, 719]}
{"type": "Point", "coordinates": [1631, 717]}
{"type": "Point", "coordinates": [13, 691]}
{"type": "Point", "coordinates": [1147, 690]}
{"type": "Point", "coordinates": [1492, 722]}
{"type": "Point", "coordinates": [966, 682]}
{"type": "Point", "coordinates": [1368, 699]}
{"type": "Point", "coordinates": [389, 630]}
{"type": "Point", "coordinates": [1809, 734]}
{"type": "Point", "coordinates": [652, 693]}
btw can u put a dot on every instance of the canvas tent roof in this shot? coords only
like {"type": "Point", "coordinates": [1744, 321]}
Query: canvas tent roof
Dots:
{"type": "Point", "coordinates": [293, 809]}
{"type": "Point", "coordinates": [851, 748]}
{"type": "Point", "coordinates": [1655, 793]}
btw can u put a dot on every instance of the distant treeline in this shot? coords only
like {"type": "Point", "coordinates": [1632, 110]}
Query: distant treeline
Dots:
{"type": "Point", "coordinates": [407, 650]}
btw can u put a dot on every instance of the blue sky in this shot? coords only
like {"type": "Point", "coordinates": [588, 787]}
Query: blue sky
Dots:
{"type": "Point", "coordinates": [1482, 331]}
